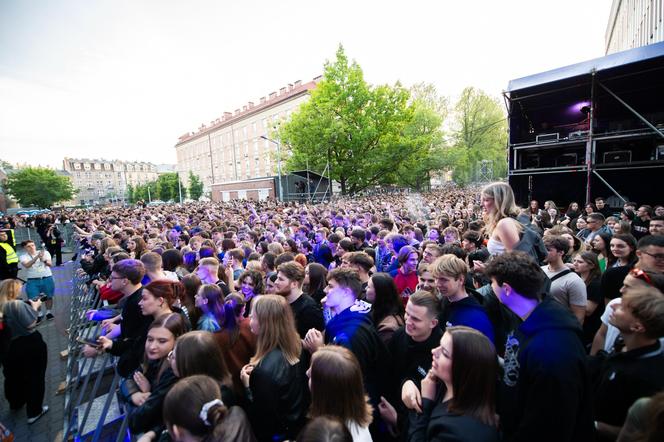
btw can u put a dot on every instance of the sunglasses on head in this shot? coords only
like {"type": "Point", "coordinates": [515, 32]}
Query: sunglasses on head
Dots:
{"type": "Point", "coordinates": [640, 274]}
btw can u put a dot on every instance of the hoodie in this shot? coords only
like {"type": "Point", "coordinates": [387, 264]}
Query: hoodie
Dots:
{"type": "Point", "coordinates": [467, 311]}
{"type": "Point", "coordinates": [355, 331]}
{"type": "Point", "coordinates": [545, 390]}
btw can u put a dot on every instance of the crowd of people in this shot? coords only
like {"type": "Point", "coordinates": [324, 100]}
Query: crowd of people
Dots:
{"type": "Point", "coordinates": [450, 315]}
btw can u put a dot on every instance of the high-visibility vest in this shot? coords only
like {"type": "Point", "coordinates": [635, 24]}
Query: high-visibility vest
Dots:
{"type": "Point", "coordinates": [11, 253]}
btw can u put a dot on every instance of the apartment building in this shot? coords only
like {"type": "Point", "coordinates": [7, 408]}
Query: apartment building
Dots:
{"type": "Point", "coordinates": [236, 146]}
{"type": "Point", "coordinates": [105, 181]}
{"type": "Point", "coordinates": [634, 23]}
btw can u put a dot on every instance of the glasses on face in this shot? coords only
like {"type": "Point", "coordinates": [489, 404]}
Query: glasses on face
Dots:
{"type": "Point", "coordinates": [640, 274]}
{"type": "Point", "coordinates": [656, 256]}
{"type": "Point", "coordinates": [117, 277]}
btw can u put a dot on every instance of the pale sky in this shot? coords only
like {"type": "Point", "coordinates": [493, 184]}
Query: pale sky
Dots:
{"type": "Point", "coordinates": [124, 79]}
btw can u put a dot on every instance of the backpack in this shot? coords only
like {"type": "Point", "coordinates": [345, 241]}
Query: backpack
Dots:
{"type": "Point", "coordinates": [531, 243]}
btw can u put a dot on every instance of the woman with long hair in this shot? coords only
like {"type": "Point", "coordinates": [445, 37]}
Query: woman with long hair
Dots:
{"type": "Point", "coordinates": [337, 390]}
{"type": "Point", "coordinates": [148, 386]}
{"type": "Point", "coordinates": [197, 352]}
{"type": "Point", "coordinates": [24, 365]}
{"type": "Point", "coordinates": [587, 266]}
{"type": "Point", "coordinates": [459, 392]}
{"type": "Point", "coordinates": [136, 247]}
{"type": "Point", "coordinates": [315, 281]}
{"type": "Point", "coordinates": [191, 283]}
{"type": "Point", "coordinates": [237, 343]}
{"type": "Point", "coordinates": [274, 377]}
{"type": "Point", "coordinates": [623, 248]}
{"type": "Point", "coordinates": [387, 310]}
{"type": "Point", "coordinates": [601, 246]}
{"type": "Point", "coordinates": [501, 227]}
{"type": "Point", "coordinates": [194, 410]}
{"type": "Point", "coordinates": [215, 315]}
{"type": "Point", "coordinates": [251, 285]}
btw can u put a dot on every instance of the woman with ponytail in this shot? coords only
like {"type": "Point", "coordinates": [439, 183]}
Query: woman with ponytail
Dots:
{"type": "Point", "coordinates": [194, 411]}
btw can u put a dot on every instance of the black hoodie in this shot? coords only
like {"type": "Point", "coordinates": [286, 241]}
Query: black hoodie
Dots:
{"type": "Point", "coordinates": [545, 390]}
{"type": "Point", "coordinates": [355, 331]}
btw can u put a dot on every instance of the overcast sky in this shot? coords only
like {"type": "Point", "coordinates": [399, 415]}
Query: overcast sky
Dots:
{"type": "Point", "coordinates": [124, 79]}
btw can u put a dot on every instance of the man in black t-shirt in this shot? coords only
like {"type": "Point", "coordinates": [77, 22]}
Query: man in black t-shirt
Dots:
{"type": "Point", "coordinates": [308, 314]}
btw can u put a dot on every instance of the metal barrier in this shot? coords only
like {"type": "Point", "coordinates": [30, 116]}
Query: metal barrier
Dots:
{"type": "Point", "coordinates": [91, 411]}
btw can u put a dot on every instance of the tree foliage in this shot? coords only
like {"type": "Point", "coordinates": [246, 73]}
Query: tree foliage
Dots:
{"type": "Point", "coordinates": [195, 187]}
{"type": "Point", "coordinates": [167, 187]}
{"type": "Point", "coordinates": [359, 129]}
{"type": "Point", "coordinates": [38, 186]}
{"type": "Point", "coordinates": [479, 132]}
{"type": "Point", "coordinates": [425, 137]}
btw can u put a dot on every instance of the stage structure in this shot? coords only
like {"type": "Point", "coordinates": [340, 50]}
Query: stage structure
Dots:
{"type": "Point", "coordinates": [591, 129]}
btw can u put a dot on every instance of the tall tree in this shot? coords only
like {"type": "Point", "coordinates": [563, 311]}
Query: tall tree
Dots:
{"type": "Point", "coordinates": [38, 186]}
{"type": "Point", "coordinates": [479, 133]}
{"type": "Point", "coordinates": [195, 187]}
{"type": "Point", "coordinates": [131, 194]}
{"type": "Point", "coordinates": [425, 138]}
{"type": "Point", "coordinates": [167, 187]}
{"type": "Point", "coordinates": [356, 128]}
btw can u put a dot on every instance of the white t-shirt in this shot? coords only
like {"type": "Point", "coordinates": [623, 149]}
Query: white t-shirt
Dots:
{"type": "Point", "coordinates": [39, 269]}
{"type": "Point", "coordinates": [611, 332]}
{"type": "Point", "coordinates": [569, 290]}
{"type": "Point", "coordinates": [359, 434]}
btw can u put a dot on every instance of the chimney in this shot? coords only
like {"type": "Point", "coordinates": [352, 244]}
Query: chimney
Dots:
{"type": "Point", "coordinates": [227, 115]}
{"type": "Point", "coordinates": [251, 104]}
{"type": "Point", "coordinates": [290, 86]}
{"type": "Point", "coordinates": [262, 100]}
{"type": "Point", "coordinates": [273, 95]}
{"type": "Point", "coordinates": [298, 83]}
{"type": "Point", "coordinates": [282, 91]}
{"type": "Point", "coordinates": [237, 111]}
{"type": "Point", "coordinates": [244, 108]}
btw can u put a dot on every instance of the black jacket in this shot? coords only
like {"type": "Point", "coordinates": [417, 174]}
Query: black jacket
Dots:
{"type": "Point", "coordinates": [355, 331]}
{"type": "Point", "coordinates": [436, 423]}
{"type": "Point", "coordinates": [130, 345]}
{"type": "Point", "coordinates": [545, 393]}
{"type": "Point", "coordinates": [149, 415]}
{"type": "Point", "coordinates": [278, 397]}
{"type": "Point", "coordinates": [620, 379]}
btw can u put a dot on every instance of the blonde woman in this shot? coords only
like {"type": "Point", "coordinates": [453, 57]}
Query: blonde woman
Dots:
{"type": "Point", "coordinates": [501, 211]}
{"type": "Point", "coordinates": [274, 378]}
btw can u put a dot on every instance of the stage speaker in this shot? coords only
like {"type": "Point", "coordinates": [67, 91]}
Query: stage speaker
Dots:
{"type": "Point", "coordinates": [567, 159]}
{"type": "Point", "coordinates": [659, 152]}
{"type": "Point", "coordinates": [618, 156]}
{"type": "Point", "coordinates": [531, 161]}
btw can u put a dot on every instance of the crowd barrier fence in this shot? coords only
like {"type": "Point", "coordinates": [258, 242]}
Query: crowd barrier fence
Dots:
{"type": "Point", "coordinates": [92, 411]}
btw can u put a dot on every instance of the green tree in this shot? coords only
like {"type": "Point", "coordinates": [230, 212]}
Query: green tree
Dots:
{"type": "Point", "coordinates": [6, 165]}
{"type": "Point", "coordinates": [195, 186]}
{"type": "Point", "coordinates": [425, 137]}
{"type": "Point", "coordinates": [130, 195]}
{"type": "Point", "coordinates": [357, 128]}
{"type": "Point", "coordinates": [479, 133]}
{"type": "Point", "coordinates": [38, 186]}
{"type": "Point", "coordinates": [167, 187]}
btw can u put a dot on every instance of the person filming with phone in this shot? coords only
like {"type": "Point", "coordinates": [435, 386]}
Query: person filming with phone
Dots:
{"type": "Point", "coordinates": [39, 278]}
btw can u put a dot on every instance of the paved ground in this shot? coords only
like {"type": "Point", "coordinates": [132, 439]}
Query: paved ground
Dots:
{"type": "Point", "coordinates": [50, 426]}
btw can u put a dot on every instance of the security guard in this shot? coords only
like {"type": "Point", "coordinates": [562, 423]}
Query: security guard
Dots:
{"type": "Point", "coordinates": [8, 257]}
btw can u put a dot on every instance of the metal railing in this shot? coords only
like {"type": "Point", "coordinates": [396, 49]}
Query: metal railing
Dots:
{"type": "Point", "coordinates": [91, 411]}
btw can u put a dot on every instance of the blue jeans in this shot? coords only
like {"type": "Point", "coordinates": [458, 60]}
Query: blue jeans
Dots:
{"type": "Point", "coordinates": [35, 287]}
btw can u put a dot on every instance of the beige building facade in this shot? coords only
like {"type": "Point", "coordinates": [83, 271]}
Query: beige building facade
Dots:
{"type": "Point", "coordinates": [106, 181]}
{"type": "Point", "coordinates": [634, 23]}
{"type": "Point", "coordinates": [231, 148]}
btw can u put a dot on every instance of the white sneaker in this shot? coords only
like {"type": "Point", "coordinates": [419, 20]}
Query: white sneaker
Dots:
{"type": "Point", "coordinates": [32, 420]}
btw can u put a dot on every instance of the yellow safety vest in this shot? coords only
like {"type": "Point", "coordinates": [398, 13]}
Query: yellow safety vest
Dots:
{"type": "Point", "coordinates": [11, 253]}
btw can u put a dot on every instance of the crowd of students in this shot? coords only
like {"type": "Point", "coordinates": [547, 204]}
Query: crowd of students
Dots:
{"type": "Point", "coordinates": [450, 315]}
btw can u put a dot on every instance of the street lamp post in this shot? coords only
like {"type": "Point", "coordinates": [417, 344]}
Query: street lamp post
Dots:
{"type": "Point", "coordinates": [281, 193]}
